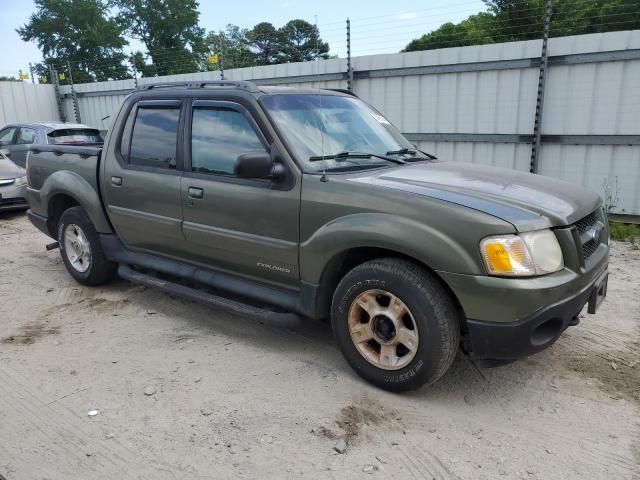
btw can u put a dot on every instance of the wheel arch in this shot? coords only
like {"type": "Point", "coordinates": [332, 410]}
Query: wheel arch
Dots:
{"type": "Point", "coordinates": [65, 189]}
{"type": "Point", "coordinates": [345, 261]}
{"type": "Point", "coordinates": [57, 205]}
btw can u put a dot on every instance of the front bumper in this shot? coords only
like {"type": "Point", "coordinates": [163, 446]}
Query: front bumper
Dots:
{"type": "Point", "coordinates": [509, 341]}
{"type": "Point", "coordinates": [509, 318]}
{"type": "Point", "coordinates": [13, 198]}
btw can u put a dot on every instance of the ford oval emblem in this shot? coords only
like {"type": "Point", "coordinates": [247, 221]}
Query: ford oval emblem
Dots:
{"type": "Point", "coordinates": [593, 233]}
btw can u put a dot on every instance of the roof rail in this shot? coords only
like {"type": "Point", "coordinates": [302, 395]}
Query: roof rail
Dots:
{"type": "Point", "coordinates": [241, 84]}
{"type": "Point", "coordinates": [342, 90]}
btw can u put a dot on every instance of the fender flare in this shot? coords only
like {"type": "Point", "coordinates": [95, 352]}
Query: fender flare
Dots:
{"type": "Point", "coordinates": [86, 195]}
{"type": "Point", "coordinates": [382, 230]}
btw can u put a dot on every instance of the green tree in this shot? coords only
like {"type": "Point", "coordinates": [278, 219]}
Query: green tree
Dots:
{"type": "Point", "coordinates": [169, 30]}
{"type": "Point", "coordinates": [477, 29]}
{"type": "Point", "coordinates": [4, 78]}
{"type": "Point", "coordinates": [517, 19]}
{"type": "Point", "coordinates": [595, 16]}
{"type": "Point", "coordinates": [513, 20]}
{"type": "Point", "coordinates": [81, 33]}
{"type": "Point", "coordinates": [265, 42]}
{"type": "Point", "coordinates": [232, 47]}
{"type": "Point", "coordinates": [301, 42]}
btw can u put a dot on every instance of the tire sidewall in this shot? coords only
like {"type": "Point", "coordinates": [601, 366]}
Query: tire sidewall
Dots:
{"type": "Point", "coordinates": [424, 365]}
{"type": "Point", "coordinates": [79, 218]}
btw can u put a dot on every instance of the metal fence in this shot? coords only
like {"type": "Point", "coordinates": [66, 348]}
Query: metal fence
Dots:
{"type": "Point", "coordinates": [26, 102]}
{"type": "Point", "coordinates": [476, 104]}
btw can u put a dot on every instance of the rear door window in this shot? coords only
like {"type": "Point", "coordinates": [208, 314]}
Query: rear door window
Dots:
{"type": "Point", "coordinates": [154, 137]}
{"type": "Point", "coordinates": [26, 136]}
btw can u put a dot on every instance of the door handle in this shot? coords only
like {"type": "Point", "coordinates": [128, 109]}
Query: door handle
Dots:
{"type": "Point", "coordinates": [195, 192]}
{"type": "Point", "coordinates": [116, 181]}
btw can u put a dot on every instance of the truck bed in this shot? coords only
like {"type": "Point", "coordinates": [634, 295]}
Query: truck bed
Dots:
{"type": "Point", "coordinates": [45, 160]}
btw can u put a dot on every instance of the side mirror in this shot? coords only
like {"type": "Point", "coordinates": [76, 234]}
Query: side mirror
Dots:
{"type": "Point", "coordinates": [5, 152]}
{"type": "Point", "coordinates": [257, 165]}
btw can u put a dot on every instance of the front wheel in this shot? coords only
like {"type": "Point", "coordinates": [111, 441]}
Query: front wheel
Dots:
{"type": "Point", "coordinates": [81, 249]}
{"type": "Point", "coordinates": [395, 323]}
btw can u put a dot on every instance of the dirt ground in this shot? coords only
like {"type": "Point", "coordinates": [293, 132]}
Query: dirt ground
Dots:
{"type": "Point", "coordinates": [183, 391]}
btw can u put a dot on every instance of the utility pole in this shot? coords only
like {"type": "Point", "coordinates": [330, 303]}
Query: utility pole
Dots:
{"type": "Point", "coordinates": [349, 68]}
{"type": "Point", "coordinates": [221, 59]}
{"type": "Point", "coordinates": [537, 124]}
{"type": "Point", "coordinates": [76, 110]}
{"type": "Point", "coordinates": [56, 88]}
{"type": "Point", "coordinates": [135, 70]}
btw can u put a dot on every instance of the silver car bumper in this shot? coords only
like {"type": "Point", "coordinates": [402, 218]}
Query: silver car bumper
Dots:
{"type": "Point", "coordinates": [13, 197]}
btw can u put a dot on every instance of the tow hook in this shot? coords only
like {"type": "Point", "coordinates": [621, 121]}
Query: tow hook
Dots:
{"type": "Point", "coordinates": [52, 246]}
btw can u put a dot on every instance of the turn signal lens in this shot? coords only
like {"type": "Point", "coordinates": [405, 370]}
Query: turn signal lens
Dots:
{"type": "Point", "coordinates": [527, 254]}
{"type": "Point", "coordinates": [498, 257]}
{"type": "Point", "coordinates": [507, 255]}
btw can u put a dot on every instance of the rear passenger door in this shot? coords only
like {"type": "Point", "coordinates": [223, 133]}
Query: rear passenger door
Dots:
{"type": "Point", "coordinates": [142, 183]}
{"type": "Point", "coordinates": [246, 226]}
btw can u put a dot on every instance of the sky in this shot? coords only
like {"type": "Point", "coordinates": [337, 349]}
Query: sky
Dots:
{"type": "Point", "coordinates": [377, 26]}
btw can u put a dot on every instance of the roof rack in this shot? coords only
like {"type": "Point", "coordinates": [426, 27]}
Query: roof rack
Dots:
{"type": "Point", "coordinates": [241, 84]}
{"type": "Point", "coordinates": [342, 90]}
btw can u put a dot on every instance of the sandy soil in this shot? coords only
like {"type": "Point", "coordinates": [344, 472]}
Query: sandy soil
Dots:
{"type": "Point", "coordinates": [228, 397]}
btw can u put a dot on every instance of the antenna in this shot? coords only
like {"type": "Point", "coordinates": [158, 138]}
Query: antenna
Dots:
{"type": "Point", "coordinates": [324, 167]}
{"type": "Point", "coordinates": [317, 52]}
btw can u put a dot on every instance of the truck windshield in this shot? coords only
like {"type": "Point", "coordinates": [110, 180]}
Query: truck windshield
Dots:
{"type": "Point", "coordinates": [323, 126]}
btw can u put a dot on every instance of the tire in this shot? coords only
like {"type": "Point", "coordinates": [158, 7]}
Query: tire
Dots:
{"type": "Point", "coordinates": [85, 260]}
{"type": "Point", "coordinates": [415, 334]}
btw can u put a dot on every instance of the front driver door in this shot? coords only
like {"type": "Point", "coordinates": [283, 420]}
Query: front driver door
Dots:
{"type": "Point", "coordinates": [7, 138]}
{"type": "Point", "coordinates": [243, 226]}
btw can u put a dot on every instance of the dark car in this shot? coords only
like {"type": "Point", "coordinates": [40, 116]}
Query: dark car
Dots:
{"type": "Point", "coordinates": [273, 201]}
{"type": "Point", "coordinates": [18, 137]}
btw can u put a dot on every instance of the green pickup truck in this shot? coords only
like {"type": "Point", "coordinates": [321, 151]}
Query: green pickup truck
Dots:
{"type": "Point", "coordinates": [293, 203]}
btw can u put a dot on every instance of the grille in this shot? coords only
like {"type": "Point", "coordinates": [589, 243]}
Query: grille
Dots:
{"type": "Point", "coordinates": [584, 223]}
{"type": "Point", "coordinates": [583, 226]}
{"type": "Point", "coordinates": [589, 247]}
{"type": "Point", "coordinates": [12, 201]}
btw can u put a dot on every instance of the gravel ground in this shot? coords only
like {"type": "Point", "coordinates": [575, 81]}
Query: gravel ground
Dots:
{"type": "Point", "coordinates": [183, 391]}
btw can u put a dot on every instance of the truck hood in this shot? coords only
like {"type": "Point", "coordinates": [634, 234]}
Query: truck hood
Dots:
{"type": "Point", "coordinates": [8, 169]}
{"type": "Point", "coordinates": [527, 201]}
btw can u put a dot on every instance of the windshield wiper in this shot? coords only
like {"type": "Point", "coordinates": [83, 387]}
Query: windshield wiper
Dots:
{"type": "Point", "coordinates": [402, 151]}
{"type": "Point", "coordinates": [410, 151]}
{"type": "Point", "coordinates": [345, 155]}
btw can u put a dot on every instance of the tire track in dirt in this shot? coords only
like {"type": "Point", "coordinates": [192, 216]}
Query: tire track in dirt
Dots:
{"type": "Point", "coordinates": [387, 426]}
{"type": "Point", "coordinates": [68, 437]}
{"type": "Point", "coordinates": [544, 432]}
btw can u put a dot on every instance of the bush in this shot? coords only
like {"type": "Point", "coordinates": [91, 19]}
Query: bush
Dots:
{"type": "Point", "coordinates": [625, 232]}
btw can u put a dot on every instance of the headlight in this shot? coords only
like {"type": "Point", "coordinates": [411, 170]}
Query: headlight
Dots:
{"type": "Point", "coordinates": [531, 253]}
{"type": "Point", "coordinates": [20, 181]}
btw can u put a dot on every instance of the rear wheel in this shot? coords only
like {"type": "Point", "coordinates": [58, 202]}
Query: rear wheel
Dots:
{"type": "Point", "coordinates": [395, 323]}
{"type": "Point", "coordinates": [81, 249]}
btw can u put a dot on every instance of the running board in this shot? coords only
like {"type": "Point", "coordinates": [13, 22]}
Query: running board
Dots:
{"type": "Point", "coordinates": [231, 306]}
